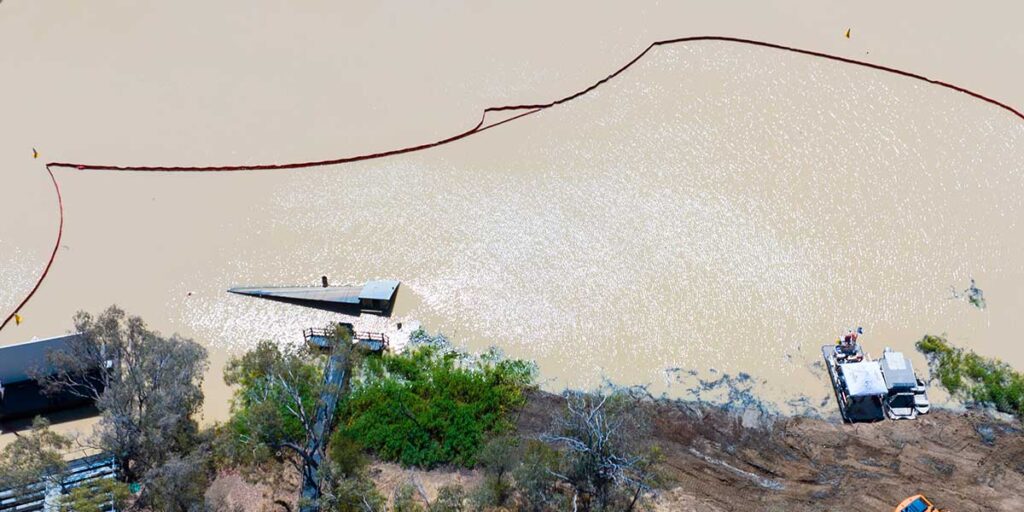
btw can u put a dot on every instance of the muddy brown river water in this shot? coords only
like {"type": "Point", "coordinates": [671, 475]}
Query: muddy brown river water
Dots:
{"type": "Point", "coordinates": [717, 208]}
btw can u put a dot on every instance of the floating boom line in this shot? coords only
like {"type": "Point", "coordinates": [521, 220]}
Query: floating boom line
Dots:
{"type": "Point", "coordinates": [481, 126]}
{"type": "Point", "coordinates": [53, 254]}
{"type": "Point", "coordinates": [532, 108]}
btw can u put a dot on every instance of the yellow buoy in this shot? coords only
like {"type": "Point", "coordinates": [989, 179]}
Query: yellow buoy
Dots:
{"type": "Point", "coordinates": [847, 33]}
{"type": "Point", "coordinates": [17, 319]}
{"type": "Point", "coordinates": [35, 154]}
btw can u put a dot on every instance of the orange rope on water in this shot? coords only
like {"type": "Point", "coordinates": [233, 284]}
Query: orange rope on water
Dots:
{"type": "Point", "coordinates": [479, 127]}
{"type": "Point", "coordinates": [532, 108]}
{"type": "Point", "coordinates": [53, 254]}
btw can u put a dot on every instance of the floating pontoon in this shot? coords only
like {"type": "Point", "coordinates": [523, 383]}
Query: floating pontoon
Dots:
{"type": "Point", "coordinates": [869, 390]}
{"type": "Point", "coordinates": [859, 386]}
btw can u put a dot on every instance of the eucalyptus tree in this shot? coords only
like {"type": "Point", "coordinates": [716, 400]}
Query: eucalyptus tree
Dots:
{"type": "Point", "coordinates": [146, 386]}
{"type": "Point", "coordinates": [285, 402]}
{"type": "Point", "coordinates": [33, 456]}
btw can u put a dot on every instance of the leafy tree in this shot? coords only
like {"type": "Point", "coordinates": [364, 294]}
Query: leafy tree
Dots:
{"type": "Point", "coordinates": [273, 406]}
{"type": "Point", "coordinates": [33, 456]}
{"type": "Point", "coordinates": [96, 496]}
{"type": "Point", "coordinates": [973, 377]}
{"type": "Point", "coordinates": [146, 386]}
{"type": "Point", "coordinates": [286, 400]}
{"type": "Point", "coordinates": [433, 405]}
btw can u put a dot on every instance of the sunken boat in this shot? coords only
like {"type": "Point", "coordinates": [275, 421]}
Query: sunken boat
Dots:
{"type": "Point", "coordinates": [374, 297]}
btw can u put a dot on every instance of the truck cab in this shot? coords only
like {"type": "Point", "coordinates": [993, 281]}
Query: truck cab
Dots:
{"type": "Point", "coordinates": [916, 503]}
{"type": "Point", "coordinates": [906, 396]}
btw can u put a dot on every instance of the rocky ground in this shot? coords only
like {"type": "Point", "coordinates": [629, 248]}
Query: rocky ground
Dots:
{"type": "Point", "coordinates": [718, 460]}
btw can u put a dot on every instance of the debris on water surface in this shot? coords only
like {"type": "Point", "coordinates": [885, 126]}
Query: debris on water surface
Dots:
{"type": "Point", "coordinates": [973, 295]}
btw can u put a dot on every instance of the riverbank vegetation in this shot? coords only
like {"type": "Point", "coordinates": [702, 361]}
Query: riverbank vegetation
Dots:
{"type": "Point", "coordinates": [429, 406]}
{"type": "Point", "coordinates": [434, 429]}
{"type": "Point", "coordinates": [33, 454]}
{"type": "Point", "coordinates": [435, 406]}
{"type": "Point", "coordinates": [974, 378]}
{"type": "Point", "coordinates": [147, 389]}
{"type": "Point", "coordinates": [432, 404]}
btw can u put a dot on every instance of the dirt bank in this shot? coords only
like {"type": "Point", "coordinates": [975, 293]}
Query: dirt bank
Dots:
{"type": "Point", "coordinates": [717, 460]}
{"type": "Point", "coordinates": [726, 461]}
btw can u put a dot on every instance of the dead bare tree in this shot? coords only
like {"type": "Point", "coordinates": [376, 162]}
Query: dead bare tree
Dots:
{"type": "Point", "coordinates": [603, 458]}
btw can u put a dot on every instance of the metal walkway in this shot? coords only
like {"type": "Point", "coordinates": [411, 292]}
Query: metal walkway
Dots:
{"type": "Point", "coordinates": [45, 495]}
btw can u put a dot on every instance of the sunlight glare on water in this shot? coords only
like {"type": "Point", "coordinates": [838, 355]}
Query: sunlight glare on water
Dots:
{"type": "Point", "coordinates": [715, 207]}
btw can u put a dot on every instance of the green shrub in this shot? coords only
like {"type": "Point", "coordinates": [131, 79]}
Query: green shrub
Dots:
{"type": "Point", "coordinates": [973, 377]}
{"type": "Point", "coordinates": [346, 454]}
{"type": "Point", "coordinates": [497, 458]}
{"type": "Point", "coordinates": [354, 494]}
{"type": "Point", "coordinates": [432, 405]}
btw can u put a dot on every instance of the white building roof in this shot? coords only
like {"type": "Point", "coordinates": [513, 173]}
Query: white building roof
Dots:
{"type": "Point", "coordinates": [16, 361]}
